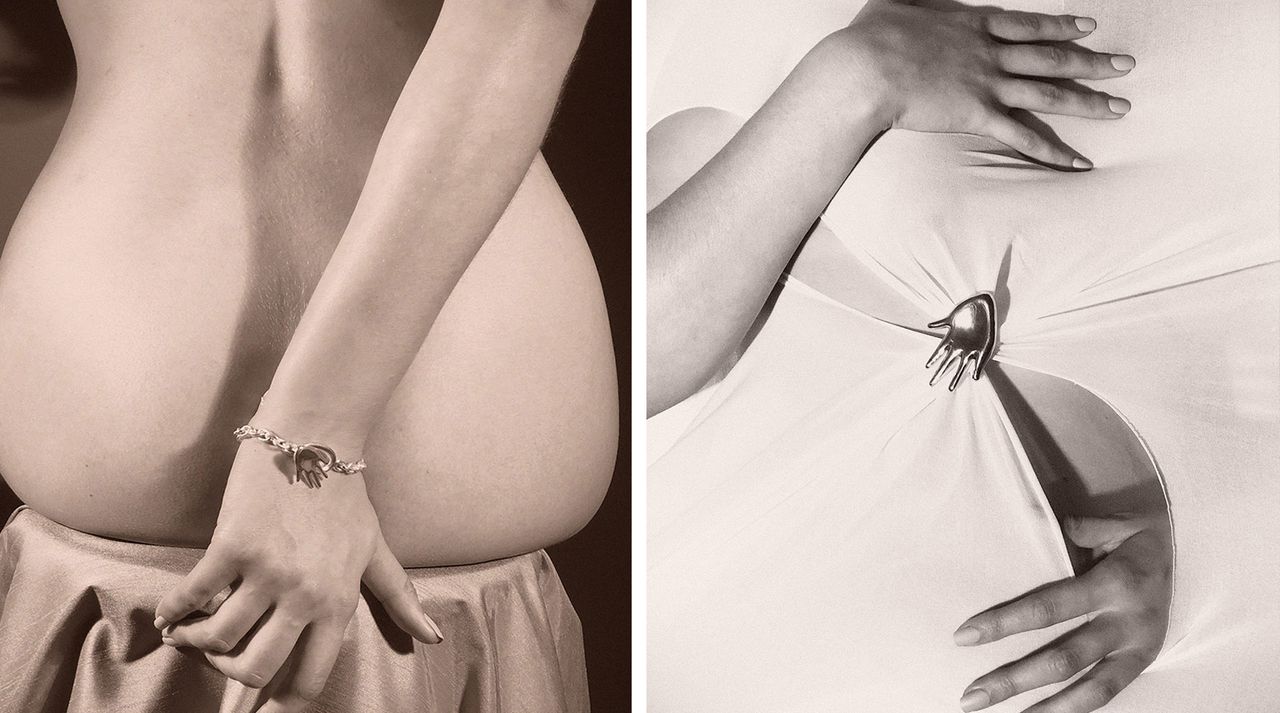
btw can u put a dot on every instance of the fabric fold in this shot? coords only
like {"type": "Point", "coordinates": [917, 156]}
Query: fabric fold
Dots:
{"type": "Point", "coordinates": [76, 635]}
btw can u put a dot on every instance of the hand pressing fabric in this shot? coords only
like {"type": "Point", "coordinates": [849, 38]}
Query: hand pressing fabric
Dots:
{"type": "Point", "coordinates": [294, 557]}
{"type": "Point", "coordinates": [1125, 596]}
{"type": "Point", "coordinates": [980, 72]}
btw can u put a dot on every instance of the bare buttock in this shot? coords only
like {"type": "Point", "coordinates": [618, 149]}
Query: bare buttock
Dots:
{"type": "Point", "coordinates": [168, 248]}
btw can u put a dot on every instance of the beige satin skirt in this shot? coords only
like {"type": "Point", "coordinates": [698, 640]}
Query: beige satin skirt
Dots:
{"type": "Point", "coordinates": [76, 635]}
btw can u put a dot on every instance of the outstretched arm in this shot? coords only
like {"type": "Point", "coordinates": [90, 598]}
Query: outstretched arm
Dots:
{"type": "Point", "coordinates": [460, 139]}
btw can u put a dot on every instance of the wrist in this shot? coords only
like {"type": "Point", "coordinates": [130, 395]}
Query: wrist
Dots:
{"type": "Point", "coordinates": [263, 471]}
{"type": "Point", "coordinates": [853, 76]}
{"type": "Point", "coordinates": [329, 427]}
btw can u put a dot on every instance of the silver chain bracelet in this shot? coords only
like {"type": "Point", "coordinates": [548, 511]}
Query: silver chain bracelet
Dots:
{"type": "Point", "coordinates": [312, 461]}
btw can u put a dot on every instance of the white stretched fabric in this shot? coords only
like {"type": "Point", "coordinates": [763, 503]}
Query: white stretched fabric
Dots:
{"type": "Point", "coordinates": [821, 520]}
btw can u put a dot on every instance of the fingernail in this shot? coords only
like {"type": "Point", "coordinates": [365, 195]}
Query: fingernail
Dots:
{"type": "Point", "coordinates": [975, 700]}
{"type": "Point", "coordinates": [169, 641]}
{"type": "Point", "coordinates": [1081, 163]}
{"type": "Point", "coordinates": [1119, 106]}
{"type": "Point", "coordinates": [439, 635]}
{"type": "Point", "coordinates": [1123, 62]}
{"type": "Point", "coordinates": [1086, 24]}
{"type": "Point", "coordinates": [161, 622]}
{"type": "Point", "coordinates": [434, 629]}
{"type": "Point", "coordinates": [967, 636]}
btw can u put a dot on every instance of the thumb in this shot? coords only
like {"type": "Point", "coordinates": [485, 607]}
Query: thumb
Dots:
{"type": "Point", "coordinates": [387, 580]}
{"type": "Point", "coordinates": [1101, 533]}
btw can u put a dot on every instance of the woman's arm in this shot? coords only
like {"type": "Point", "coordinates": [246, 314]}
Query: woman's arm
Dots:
{"type": "Point", "coordinates": [458, 143]}
{"type": "Point", "coordinates": [718, 244]}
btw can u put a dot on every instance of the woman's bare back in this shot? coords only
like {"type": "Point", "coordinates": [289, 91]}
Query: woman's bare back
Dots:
{"type": "Point", "coordinates": [212, 156]}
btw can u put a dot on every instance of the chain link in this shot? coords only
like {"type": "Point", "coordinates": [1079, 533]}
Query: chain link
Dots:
{"type": "Point", "coordinates": [246, 432]}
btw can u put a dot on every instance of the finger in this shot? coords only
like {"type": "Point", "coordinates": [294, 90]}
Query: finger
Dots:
{"type": "Point", "coordinates": [1105, 533]}
{"type": "Point", "coordinates": [1049, 98]}
{"type": "Point", "coordinates": [939, 323]}
{"type": "Point", "coordinates": [952, 358]}
{"type": "Point", "coordinates": [1021, 138]}
{"type": "Point", "coordinates": [955, 379]}
{"type": "Point", "coordinates": [1052, 664]}
{"type": "Point", "coordinates": [317, 651]}
{"type": "Point", "coordinates": [1035, 27]}
{"type": "Point", "coordinates": [941, 352]}
{"type": "Point", "coordinates": [212, 574]}
{"type": "Point", "coordinates": [1062, 62]}
{"type": "Point", "coordinates": [977, 366]}
{"type": "Point", "coordinates": [258, 657]}
{"type": "Point", "coordinates": [221, 632]}
{"type": "Point", "coordinates": [389, 583]}
{"type": "Point", "coordinates": [1054, 604]}
{"type": "Point", "coordinates": [1097, 687]}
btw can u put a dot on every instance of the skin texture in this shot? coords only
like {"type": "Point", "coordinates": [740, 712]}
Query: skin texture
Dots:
{"type": "Point", "coordinates": [1094, 470]}
{"type": "Point", "coordinates": [449, 326]}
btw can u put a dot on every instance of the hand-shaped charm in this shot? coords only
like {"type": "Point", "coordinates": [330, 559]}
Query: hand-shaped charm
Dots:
{"type": "Point", "coordinates": [312, 462]}
{"type": "Point", "coordinates": [970, 338]}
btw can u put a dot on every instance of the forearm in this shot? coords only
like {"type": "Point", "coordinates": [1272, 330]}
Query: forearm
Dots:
{"type": "Point", "coordinates": [718, 244]}
{"type": "Point", "coordinates": [459, 141]}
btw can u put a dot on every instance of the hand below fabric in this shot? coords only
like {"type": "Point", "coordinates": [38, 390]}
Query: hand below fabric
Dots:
{"type": "Point", "coordinates": [1126, 598]}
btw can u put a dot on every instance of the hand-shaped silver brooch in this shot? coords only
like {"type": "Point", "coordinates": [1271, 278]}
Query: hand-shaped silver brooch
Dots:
{"type": "Point", "coordinates": [970, 339]}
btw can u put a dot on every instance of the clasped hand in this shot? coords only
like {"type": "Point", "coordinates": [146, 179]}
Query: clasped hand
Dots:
{"type": "Point", "coordinates": [294, 558]}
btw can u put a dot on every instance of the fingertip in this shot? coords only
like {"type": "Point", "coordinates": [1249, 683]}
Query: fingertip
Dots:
{"type": "Point", "coordinates": [426, 636]}
{"type": "Point", "coordinates": [1119, 106]}
{"type": "Point", "coordinates": [435, 629]}
{"type": "Point", "coordinates": [967, 636]}
{"type": "Point", "coordinates": [160, 622]}
{"type": "Point", "coordinates": [974, 700]}
{"type": "Point", "coordinates": [1081, 163]}
{"type": "Point", "coordinates": [1123, 62]}
{"type": "Point", "coordinates": [1086, 24]}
